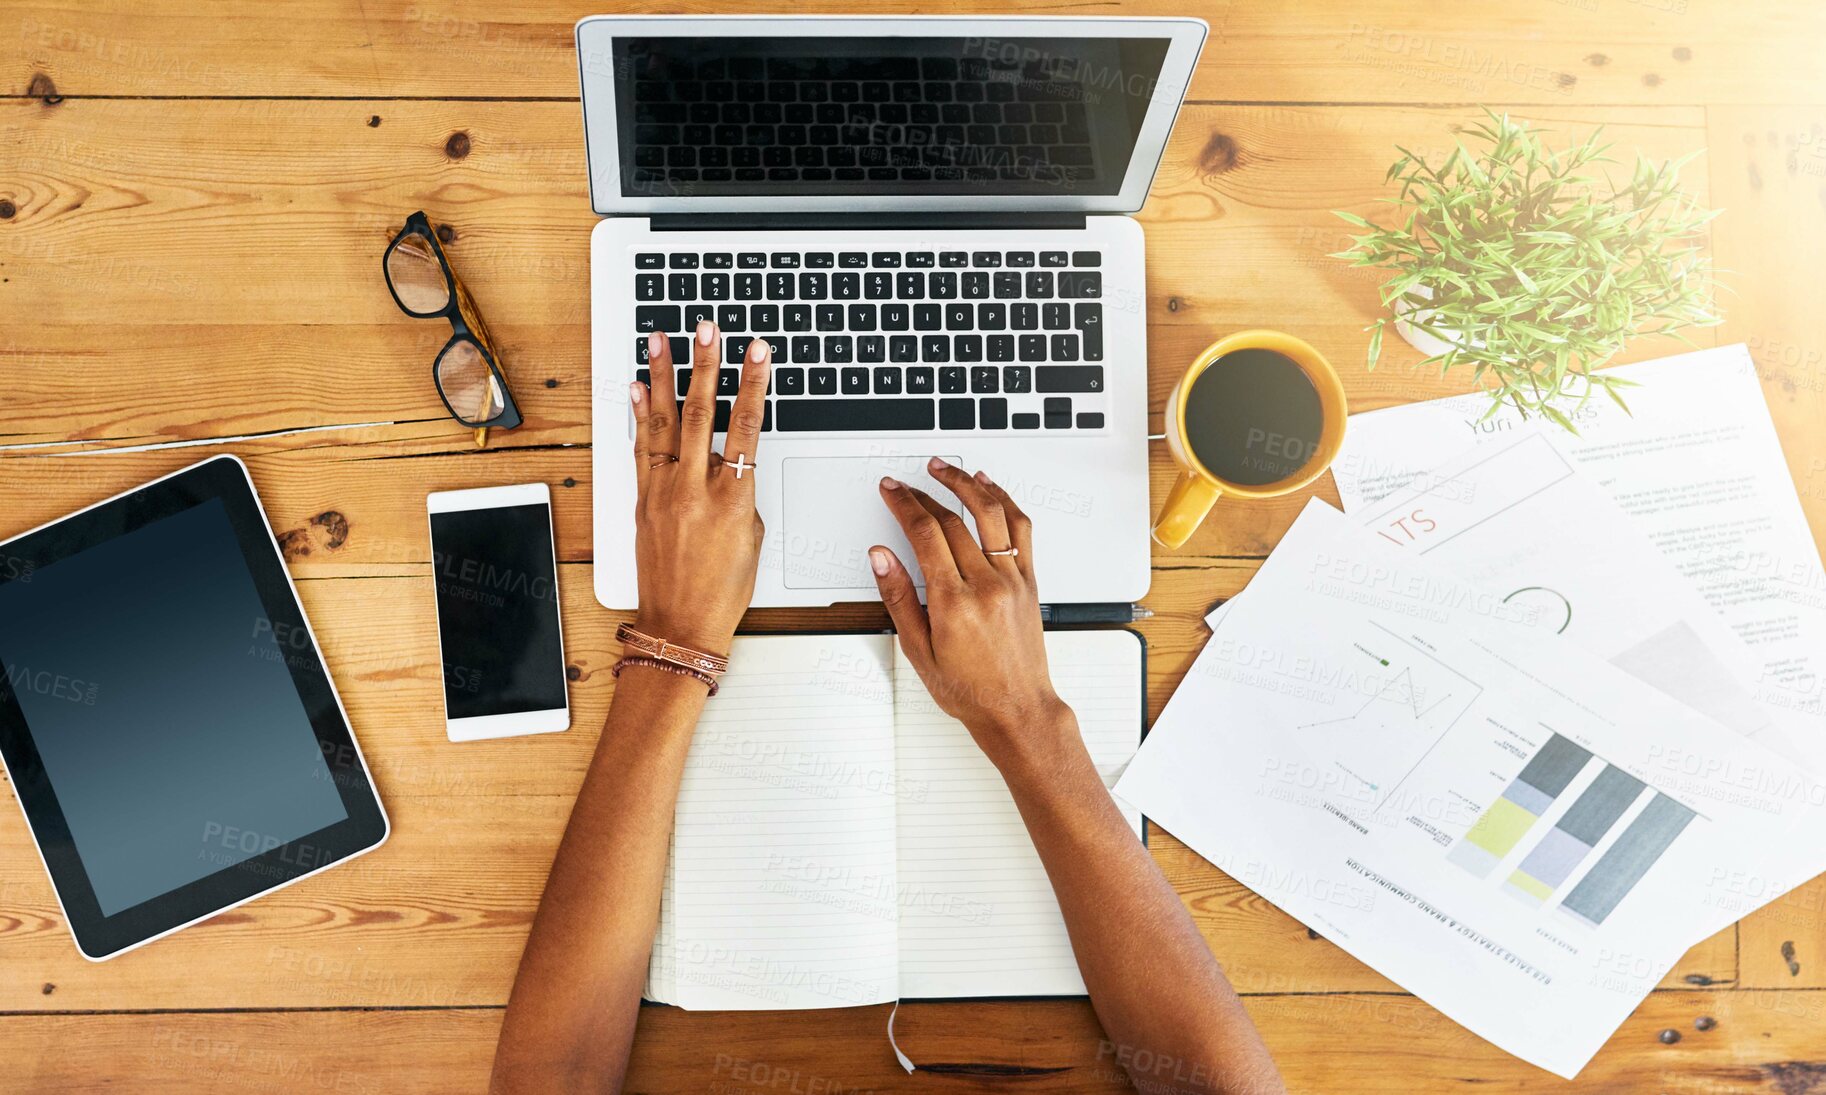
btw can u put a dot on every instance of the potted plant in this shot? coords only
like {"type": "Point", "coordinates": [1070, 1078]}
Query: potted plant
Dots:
{"type": "Point", "coordinates": [1531, 267]}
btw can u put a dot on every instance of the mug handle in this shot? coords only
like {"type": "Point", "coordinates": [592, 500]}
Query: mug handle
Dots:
{"type": "Point", "coordinates": [1186, 505]}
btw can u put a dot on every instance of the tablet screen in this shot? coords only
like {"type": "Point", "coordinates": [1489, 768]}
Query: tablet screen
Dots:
{"type": "Point", "coordinates": [161, 698]}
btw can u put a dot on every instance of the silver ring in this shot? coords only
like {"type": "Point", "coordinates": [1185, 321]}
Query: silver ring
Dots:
{"type": "Point", "coordinates": [1011, 551]}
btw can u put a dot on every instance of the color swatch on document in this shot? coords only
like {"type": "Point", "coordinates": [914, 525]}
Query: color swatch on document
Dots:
{"type": "Point", "coordinates": [1523, 802]}
{"type": "Point", "coordinates": [1622, 866]}
{"type": "Point", "coordinates": [1572, 838]}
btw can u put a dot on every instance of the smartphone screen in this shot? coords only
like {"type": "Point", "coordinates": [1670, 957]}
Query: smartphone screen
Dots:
{"type": "Point", "coordinates": [497, 610]}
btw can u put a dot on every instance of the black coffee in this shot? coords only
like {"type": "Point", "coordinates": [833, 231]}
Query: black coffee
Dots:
{"type": "Point", "coordinates": [1253, 418]}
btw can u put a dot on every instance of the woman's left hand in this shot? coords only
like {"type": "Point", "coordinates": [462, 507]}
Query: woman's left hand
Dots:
{"type": "Point", "coordinates": [697, 539]}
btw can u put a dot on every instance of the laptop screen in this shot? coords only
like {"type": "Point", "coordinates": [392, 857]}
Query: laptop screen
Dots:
{"type": "Point", "coordinates": [976, 117]}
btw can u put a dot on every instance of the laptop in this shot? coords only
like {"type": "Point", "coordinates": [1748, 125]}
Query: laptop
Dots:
{"type": "Point", "coordinates": [928, 220]}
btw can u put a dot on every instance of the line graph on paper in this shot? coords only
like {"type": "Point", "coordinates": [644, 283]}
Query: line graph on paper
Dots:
{"type": "Point", "coordinates": [1407, 702]}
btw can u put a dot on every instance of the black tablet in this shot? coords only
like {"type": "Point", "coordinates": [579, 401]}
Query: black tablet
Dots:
{"type": "Point", "coordinates": [165, 714]}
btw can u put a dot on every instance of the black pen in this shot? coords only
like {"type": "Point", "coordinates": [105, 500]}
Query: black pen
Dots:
{"type": "Point", "coordinates": [1095, 613]}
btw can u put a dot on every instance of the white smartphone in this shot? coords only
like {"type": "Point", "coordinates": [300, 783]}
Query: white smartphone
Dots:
{"type": "Point", "coordinates": [500, 636]}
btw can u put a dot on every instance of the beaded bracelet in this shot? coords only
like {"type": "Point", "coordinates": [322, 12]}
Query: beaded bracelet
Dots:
{"type": "Point", "coordinates": [670, 667]}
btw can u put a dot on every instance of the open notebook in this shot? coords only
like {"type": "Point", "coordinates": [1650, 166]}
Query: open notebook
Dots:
{"type": "Point", "coordinates": [841, 841]}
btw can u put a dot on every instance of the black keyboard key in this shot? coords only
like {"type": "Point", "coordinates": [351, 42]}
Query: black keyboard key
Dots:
{"type": "Point", "coordinates": [729, 381]}
{"type": "Point", "coordinates": [953, 380]}
{"type": "Point", "coordinates": [785, 260]}
{"type": "Point", "coordinates": [985, 258]}
{"type": "Point", "coordinates": [1093, 342]}
{"type": "Point", "coordinates": [1026, 421]}
{"type": "Point", "coordinates": [942, 285]}
{"type": "Point", "coordinates": [871, 349]}
{"type": "Point", "coordinates": [716, 286]}
{"type": "Point", "coordinates": [829, 317]}
{"type": "Point", "coordinates": [926, 317]}
{"type": "Point", "coordinates": [1056, 316]}
{"type": "Point", "coordinates": [648, 260]}
{"type": "Point", "coordinates": [820, 260]}
{"type": "Point", "coordinates": [984, 380]}
{"type": "Point", "coordinates": [887, 381]}
{"type": "Point", "coordinates": [699, 313]}
{"type": "Point", "coordinates": [953, 258]}
{"type": "Point", "coordinates": [779, 287]}
{"type": "Point", "coordinates": [719, 260]}
{"type": "Point", "coordinates": [863, 415]}
{"type": "Point", "coordinates": [1017, 379]}
{"type": "Point", "coordinates": [839, 349]}
{"type": "Point", "coordinates": [992, 414]}
{"type": "Point", "coordinates": [649, 287]}
{"type": "Point", "coordinates": [805, 349]}
{"type": "Point", "coordinates": [1000, 347]}
{"type": "Point", "coordinates": [1054, 258]}
{"type": "Point", "coordinates": [910, 286]}
{"type": "Point", "coordinates": [814, 286]}
{"type": "Point", "coordinates": [921, 259]}
{"type": "Point", "coordinates": [957, 414]}
{"type": "Point", "coordinates": [846, 286]}
{"type": "Point", "coordinates": [765, 317]}
{"type": "Point", "coordinates": [894, 317]}
{"type": "Point", "coordinates": [1020, 258]}
{"type": "Point", "coordinates": [1033, 347]}
{"type": "Point", "coordinates": [681, 261]}
{"type": "Point", "coordinates": [751, 260]}
{"type": "Point", "coordinates": [798, 317]}
{"type": "Point", "coordinates": [1080, 284]}
{"type": "Point", "coordinates": [682, 286]}
{"type": "Point", "coordinates": [888, 260]}
{"type": "Point", "coordinates": [877, 285]}
{"type": "Point", "coordinates": [919, 380]}
{"type": "Point", "coordinates": [1024, 317]}
{"type": "Point", "coordinates": [1058, 414]}
{"type": "Point", "coordinates": [903, 348]}
{"type": "Point", "coordinates": [789, 381]}
{"type": "Point", "coordinates": [853, 260]}
{"type": "Point", "coordinates": [732, 319]}
{"type": "Point", "coordinates": [659, 317]}
{"type": "Point", "coordinates": [824, 381]}
{"type": "Point", "coordinates": [967, 348]}
{"type": "Point", "coordinates": [855, 381]}
{"type": "Point", "coordinates": [1007, 284]}
{"type": "Point", "coordinates": [959, 317]}
{"type": "Point", "coordinates": [1065, 347]}
{"type": "Point", "coordinates": [935, 348]}
{"type": "Point", "coordinates": [862, 317]}
{"type": "Point", "coordinates": [1039, 284]}
{"type": "Point", "coordinates": [681, 350]}
{"type": "Point", "coordinates": [1087, 258]}
{"type": "Point", "coordinates": [1069, 378]}
{"type": "Point", "coordinates": [976, 284]}
{"type": "Point", "coordinates": [1090, 420]}
{"type": "Point", "coordinates": [748, 286]}
{"type": "Point", "coordinates": [991, 317]}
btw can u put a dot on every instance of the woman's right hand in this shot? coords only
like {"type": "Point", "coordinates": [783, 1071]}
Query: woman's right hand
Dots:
{"type": "Point", "coordinates": [977, 644]}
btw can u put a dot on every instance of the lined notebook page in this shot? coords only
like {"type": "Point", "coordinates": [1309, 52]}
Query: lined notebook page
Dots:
{"type": "Point", "coordinates": [977, 914]}
{"type": "Point", "coordinates": [783, 852]}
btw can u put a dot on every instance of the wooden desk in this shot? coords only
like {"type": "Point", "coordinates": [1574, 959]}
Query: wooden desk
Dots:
{"type": "Point", "coordinates": [193, 201]}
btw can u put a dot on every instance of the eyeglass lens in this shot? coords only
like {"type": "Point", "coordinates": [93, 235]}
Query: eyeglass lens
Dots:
{"type": "Point", "coordinates": [417, 278]}
{"type": "Point", "coordinates": [469, 384]}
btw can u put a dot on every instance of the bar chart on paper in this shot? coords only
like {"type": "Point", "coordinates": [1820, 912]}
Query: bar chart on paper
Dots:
{"type": "Point", "coordinates": [1598, 809]}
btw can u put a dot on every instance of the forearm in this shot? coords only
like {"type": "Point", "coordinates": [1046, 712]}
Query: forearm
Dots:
{"type": "Point", "coordinates": [570, 1020]}
{"type": "Point", "coordinates": [1171, 1017]}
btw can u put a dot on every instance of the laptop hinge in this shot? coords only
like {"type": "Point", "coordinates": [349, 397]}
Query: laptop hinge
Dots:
{"type": "Point", "coordinates": [852, 222]}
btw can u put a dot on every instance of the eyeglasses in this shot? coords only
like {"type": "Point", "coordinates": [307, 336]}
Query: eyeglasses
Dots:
{"type": "Point", "coordinates": [466, 370]}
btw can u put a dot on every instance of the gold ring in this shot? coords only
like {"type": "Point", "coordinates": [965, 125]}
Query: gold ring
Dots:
{"type": "Point", "coordinates": [1011, 551]}
{"type": "Point", "coordinates": [661, 460]}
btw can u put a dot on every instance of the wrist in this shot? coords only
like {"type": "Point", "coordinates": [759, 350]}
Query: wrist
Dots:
{"type": "Point", "coordinates": [1038, 745]}
{"type": "Point", "coordinates": [695, 634]}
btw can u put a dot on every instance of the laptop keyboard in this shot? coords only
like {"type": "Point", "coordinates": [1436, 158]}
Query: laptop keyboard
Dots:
{"type": "Point", "coordinates": [883, 341]}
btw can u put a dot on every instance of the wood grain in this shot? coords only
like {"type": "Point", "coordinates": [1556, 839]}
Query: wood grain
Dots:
{"type": "Point", "coordinates": [193, 201]}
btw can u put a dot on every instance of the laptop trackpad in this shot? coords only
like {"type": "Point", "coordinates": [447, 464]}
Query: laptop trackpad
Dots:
{"type": "Point", "coordinates": [834, 514]}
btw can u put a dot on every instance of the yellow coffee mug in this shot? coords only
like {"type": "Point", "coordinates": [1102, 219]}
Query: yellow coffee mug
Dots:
{"type": "Point", "coordinates": [1198, 487]}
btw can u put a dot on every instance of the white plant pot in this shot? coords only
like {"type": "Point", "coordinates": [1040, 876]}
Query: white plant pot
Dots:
{"type": "Point", "coordinates": [1426, 342]}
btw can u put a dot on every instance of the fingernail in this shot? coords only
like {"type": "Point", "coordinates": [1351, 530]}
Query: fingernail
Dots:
{"type": "Point", "coordinates": [656, 344]}
{"type": "Point", "coordinates": [982, 477]}
{"type": "Point", "coordinates": [890, 482]}
{"type": "Point", "coordinates": [706, 332]}
{"type": "Point", "coordinates": [878, 562]}
{"type": "Point", "coordinates": [757, 350]}
{"type": "Point", "coordinates": [634, 392]}
{"type": "Point", "coordinates": [936, 464]}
